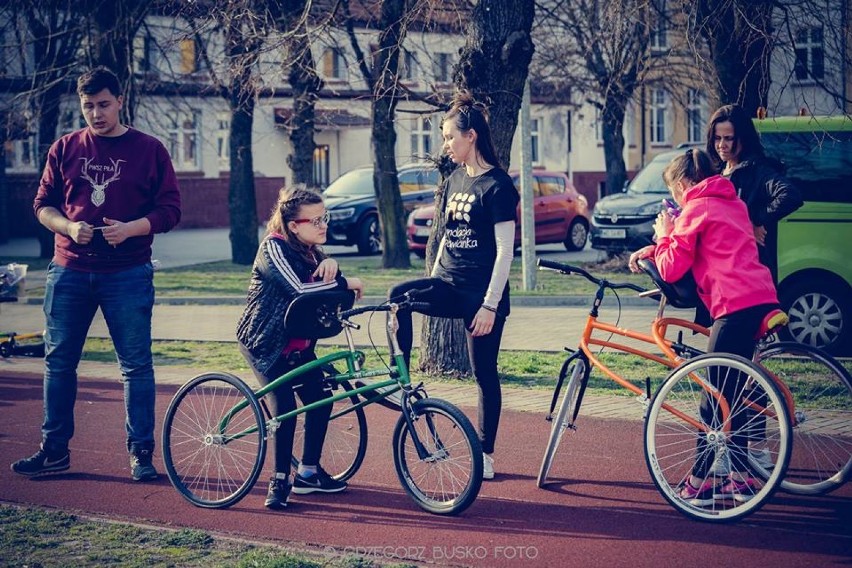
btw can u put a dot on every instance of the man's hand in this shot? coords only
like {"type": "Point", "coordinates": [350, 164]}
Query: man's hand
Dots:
{"type": "Point", "coordinates": [80, 232]}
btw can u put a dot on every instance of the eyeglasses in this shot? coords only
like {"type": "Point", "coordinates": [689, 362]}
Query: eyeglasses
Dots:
{"type": "Point", "coordinates": [316, 221]}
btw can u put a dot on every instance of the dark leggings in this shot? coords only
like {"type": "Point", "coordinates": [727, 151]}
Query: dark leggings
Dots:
{"type": "Point", "coordinates": [447, 301]}
{"type": "Point", "coordinates": [733, 333]}
{"type": "Point", "coordinates": [282, 400]}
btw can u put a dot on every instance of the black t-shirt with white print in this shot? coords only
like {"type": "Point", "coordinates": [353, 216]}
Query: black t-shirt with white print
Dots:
{"type": "Point", "coordinates": [473, 207]}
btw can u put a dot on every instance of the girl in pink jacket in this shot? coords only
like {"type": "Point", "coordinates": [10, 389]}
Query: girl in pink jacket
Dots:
{"type": "Point", "coordinates": [713, 237]}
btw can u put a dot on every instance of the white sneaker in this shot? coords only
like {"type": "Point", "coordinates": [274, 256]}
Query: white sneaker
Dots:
{"type": "Point", "coordinates": [487, 467]}
{"type": "Point", "coordinates": [721, 464]}
{"type": "Point", "coordinates": [762, 457]}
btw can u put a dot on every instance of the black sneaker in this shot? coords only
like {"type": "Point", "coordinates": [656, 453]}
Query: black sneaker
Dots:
{"type": "Point", "coordinates": [41, 462]}
{"type": "Point", "coordinates": [141, 468]}
{"type": "Point", "coordinates": [317, 482]}
{"type": "Point", "coordinates": [277, 494]}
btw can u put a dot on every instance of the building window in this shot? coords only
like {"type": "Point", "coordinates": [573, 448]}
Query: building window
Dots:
{"type": "Point", "coordinates": [810, 55]}
{"type": "Point", "coordinates": [628, 129]}
{"type": "Point", "coordinates": [443, 67]}
{"type": "Point", "coordinates": [695, 109]}
{"type": "Point", "coordinates": [321, 165]}
{"type": "Point", "coordinates": [535, 156]}
{"type": "Point", "coordinates": [142, 53]}
{"type": "Point", "coordinates": [407, 70]}
{"type": "Point", "coordinates": [421, 138]}
{"type": "Point", "coordinates": [334, 64]}
{"type": "Point", "coordinates": [659, 40]}
{"type": "Point", "coordinates": [659, 119]}
{"type": "Point", "coordinates": [21, 154]}
{"type": "Point", "coordinates": [598, 126]}
{"type": "Point", "coordinates": [223, 136]}
{"type": "Point", "coordinates": [182, 141]}
{"type": "Point", "coordinates": [190, 56]}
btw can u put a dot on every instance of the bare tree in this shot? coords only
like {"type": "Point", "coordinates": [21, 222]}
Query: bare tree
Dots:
{"type": "Point", "coordinates": [600, 50]}
{"type": "Point", "coordinates": [382, 79]}
{"type": "Point", "coordinates": [292, 19]}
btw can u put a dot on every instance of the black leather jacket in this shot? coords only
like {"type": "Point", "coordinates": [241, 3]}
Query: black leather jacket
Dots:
{"type": "Point", "coordinates": [769, 197]}
{"type": "Point", "coordinates": [278, 276]}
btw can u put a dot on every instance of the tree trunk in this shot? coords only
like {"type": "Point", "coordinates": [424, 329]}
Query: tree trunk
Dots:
{"type": "Point", "coordinates": [739, 37]}
{"type": "Point", "coordinates": [494, 64]}
{"type": "Point", "coordinates": [395, 253]}
{"type": "Point", "coordinates": [241, 197]}
{"type": "Point", "coordinates": [443, 343]}
{"type": "Point", "coordinates": [613, 143]}
{"type": "Point", "coordinates": [306, 87]}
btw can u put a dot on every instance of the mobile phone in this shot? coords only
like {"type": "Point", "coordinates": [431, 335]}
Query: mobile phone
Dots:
{"type": "Point", "coordinates": [671, 207]}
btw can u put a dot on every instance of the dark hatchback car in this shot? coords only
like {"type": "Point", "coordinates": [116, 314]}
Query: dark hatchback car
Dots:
{"type": "Point", "coordinates": [625, 221]}
{"type": "Point", "coordinates": [351, 204]}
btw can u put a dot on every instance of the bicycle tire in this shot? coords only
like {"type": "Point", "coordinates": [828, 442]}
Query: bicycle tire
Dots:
{"type": "Point", "coordinates": [671, 441]}
{"type": "Point", "coordinates": [448, 480]}
{"type": "Point", "coordinates": [567, 415]}
{"type": "Point", "coordinates": [821, 460]}
{"type": "Point", "coordinates": [345, 441]}
{"type": "Point", "coordinates": [208, 469]}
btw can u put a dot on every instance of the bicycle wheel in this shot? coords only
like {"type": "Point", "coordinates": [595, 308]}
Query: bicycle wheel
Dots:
{"type": "Point", "coordinates": [567, 414]}
{"type": "Point", "coordinates": [687, 429]}
{"type": "Point", "coordinates": [446, 480]}
{"type": "Point", "coordinates": [821, 460]}
{"type": "Point", "coordinates": [214, 440]}
{"type": "Point", "coordinates": [345, 441]}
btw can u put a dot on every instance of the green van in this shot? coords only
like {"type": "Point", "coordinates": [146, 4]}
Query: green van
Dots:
{"type": "Point", "coordinates": [815, 242]}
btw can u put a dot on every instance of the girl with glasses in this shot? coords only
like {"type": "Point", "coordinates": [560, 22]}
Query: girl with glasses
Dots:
{"type": "Point", "coordinates": [289, 263]}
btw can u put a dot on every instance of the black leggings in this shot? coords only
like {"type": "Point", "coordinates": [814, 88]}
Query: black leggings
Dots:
{"type": "Point", "coordinates": [282, 400]}
{"type": "Point", "coordinates": [733, 333]}
{"type": "Point", "coordinates": [447, 301]}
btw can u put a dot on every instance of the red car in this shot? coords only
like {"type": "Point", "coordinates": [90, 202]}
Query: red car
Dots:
{"type": "Point", "coordinates": [561, 215]}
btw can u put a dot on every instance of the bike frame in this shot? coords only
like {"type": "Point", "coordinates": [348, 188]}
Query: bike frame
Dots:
{"type": "Point", "coordinates": [397, 373]}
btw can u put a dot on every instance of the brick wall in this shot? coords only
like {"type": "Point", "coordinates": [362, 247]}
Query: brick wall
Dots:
{"type": "Point", "coordinates": [204, 202]}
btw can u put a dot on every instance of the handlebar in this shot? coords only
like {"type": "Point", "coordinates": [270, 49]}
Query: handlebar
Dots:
{"type": "Point", "coordinates": [405, 301]}
{"type": "Point", "coordinates": [569, 269]}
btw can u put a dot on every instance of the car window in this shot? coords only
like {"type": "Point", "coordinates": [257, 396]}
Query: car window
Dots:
{"type": "Point", "coordinates": [409, 181]}
{"type": "Point", "coordinates": [353, 182]}
{"type": "Point", "coordinates": [819, 163]}
{"type": "Point", "coordinates": [650, 178]}
{"type": "Point", "coordinates": [536, 190]}
{"type": "Point", "coordinates": [431, 177]}
{"type": "Point", "coordinates": [551, 185]}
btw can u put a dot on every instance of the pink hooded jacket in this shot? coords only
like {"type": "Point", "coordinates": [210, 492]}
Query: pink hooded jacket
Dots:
{"type": "Point", "coordinates": [714, 237]}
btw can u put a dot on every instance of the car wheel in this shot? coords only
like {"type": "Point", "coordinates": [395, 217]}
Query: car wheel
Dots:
{"type": "Point", "coordinates": [577, 235]}
{"type": "Point", "coordinates": [819, 314]}
{"type": "Point", "coordinates": [369, 236]}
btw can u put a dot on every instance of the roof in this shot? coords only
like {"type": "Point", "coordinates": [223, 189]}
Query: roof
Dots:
{"type": "Point", "coordinates": [324, 119]}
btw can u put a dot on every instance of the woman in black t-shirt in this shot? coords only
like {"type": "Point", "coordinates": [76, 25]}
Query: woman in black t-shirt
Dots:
{"type": "Point", "coordinates": [470, 277]}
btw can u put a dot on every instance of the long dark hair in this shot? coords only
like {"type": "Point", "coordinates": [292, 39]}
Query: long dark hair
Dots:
{"type": "Point", "coordinates": [745, 134]}
{"type": "Point", "coordinates": [290, 201]}
{"type": "Point", "coordinates": [467, 114]}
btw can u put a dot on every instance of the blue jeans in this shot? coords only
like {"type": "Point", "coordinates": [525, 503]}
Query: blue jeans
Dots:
{"type": "Point", "coordinates": [126, 299]}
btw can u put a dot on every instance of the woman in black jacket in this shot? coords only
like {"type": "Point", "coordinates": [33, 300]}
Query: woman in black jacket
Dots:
{"type": "Point", "coordinates": [289, 263]}
{"type": "Point", "coordinates": [734, 145]}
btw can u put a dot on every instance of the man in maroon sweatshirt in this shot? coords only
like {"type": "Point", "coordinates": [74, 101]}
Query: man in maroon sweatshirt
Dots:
{"type": "Point", "coordinates": [104, 192]}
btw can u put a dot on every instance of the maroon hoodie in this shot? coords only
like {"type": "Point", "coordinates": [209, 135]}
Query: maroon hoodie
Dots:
{"type": "Point", "coordinates": [89, 177]}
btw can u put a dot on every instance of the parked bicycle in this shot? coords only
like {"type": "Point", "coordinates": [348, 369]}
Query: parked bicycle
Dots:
{"type": "Point", "coordinates": [216, 427]}
{"type": "Point", "coordinates": [794, 392]}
